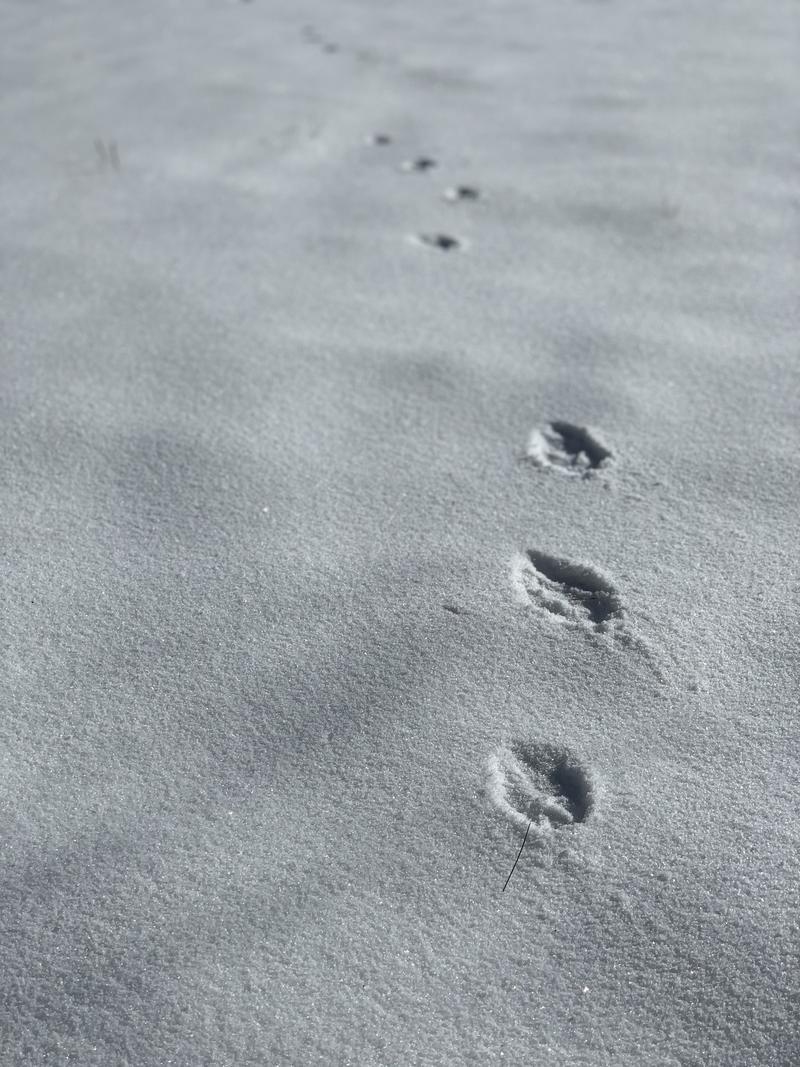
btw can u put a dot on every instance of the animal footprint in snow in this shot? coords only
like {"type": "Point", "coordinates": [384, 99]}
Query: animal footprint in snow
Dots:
{"type": "Point", "coordinates": [577, 595]}
{"type": "Point", "coordinates": [421, 163]}
{"type": "Point", "coordinates": [443, 241]}
{"type": "Point", "coordinates": [461, 192]}
{"type": "Point", "coordinates": [571, 449]}
{"type": "Point", "coordinates": [544, 785]}
{"type": "Point", "coordinates": [573, 593]}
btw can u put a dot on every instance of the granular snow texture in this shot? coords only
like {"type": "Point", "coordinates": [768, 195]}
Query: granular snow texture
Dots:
{"type": "Point", "coordinates": [298, 636]}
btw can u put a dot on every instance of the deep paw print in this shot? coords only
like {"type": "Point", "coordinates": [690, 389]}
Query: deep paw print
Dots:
{"type": "Point", "coordinates": [578, 596]}
{"type": "Point", "coordinates": [572, 593]}
{"type": "Point", "coordinates": [571, 449]}
{"type": "Point", "coordinates": [543, 785]}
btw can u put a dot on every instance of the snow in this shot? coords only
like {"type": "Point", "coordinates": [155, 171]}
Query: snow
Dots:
{"type": "Point", "coordinates": [282, 688]}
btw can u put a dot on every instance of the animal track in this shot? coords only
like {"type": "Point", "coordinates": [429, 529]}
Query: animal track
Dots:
{"type": "Point", "coordinates": [578, 595]}
{"type": "Point", "coordinates": [421, 163]}
{"type": "Point", "coordinates": [442, 241]}
{"type": "Point", "coordinates": [461, 192]}
{"type": "Point", "coordinates": [568, 448]}
{"type": "Point", "coordinates": [573, 593]}
{"type": "Point", "coordinates": [543, 784]}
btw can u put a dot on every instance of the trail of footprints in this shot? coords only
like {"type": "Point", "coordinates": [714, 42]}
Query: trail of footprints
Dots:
{"type": "Point", "coordinates": [453, 194]}
{"type": "Point", "coordinates": [540, 789]}
{"type": "Point", "coordinates": [421, 164]}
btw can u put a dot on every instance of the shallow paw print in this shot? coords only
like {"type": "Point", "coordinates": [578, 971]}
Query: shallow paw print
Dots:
{"type": "Point", "coordinates": [445, 242]}
{"type": "Point", "coordinates": [418, 165]}
{"type": "Point", "coordinates": [456, 193]}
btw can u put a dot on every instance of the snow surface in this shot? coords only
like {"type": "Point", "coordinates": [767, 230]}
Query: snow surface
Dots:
{"type": "Point", "coordinates": [274, 712]}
